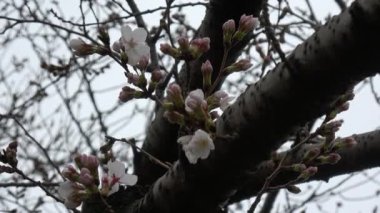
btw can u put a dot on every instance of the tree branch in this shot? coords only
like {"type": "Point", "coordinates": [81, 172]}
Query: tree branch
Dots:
{"type": "Point", "coordinates": [363, 156]}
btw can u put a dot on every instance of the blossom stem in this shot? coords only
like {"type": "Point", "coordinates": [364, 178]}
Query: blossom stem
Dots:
{"type": "Point", "coordinates": [220, 73]}
{"type": "Point", "coordinates": [151, 157]}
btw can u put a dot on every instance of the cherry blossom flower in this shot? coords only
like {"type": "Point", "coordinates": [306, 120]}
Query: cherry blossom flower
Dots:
{"type": "Point", "coordinates": [72, 193]}
{"type": "Point", "coordinates": [195, 100]}
{"type": "Point", "coordinates": [133, 43]}
{"type": "Point", "coordinates": [116, 176]}
{"type": "Point", "coordinates": [197, 146]}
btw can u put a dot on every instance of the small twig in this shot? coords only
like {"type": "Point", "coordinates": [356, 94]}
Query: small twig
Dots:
{"type": "Point", "coordinates": [45, 184]}
{"type": "Point", "coordinates": [38, 145]}
{"type": "Point", "coordinates": [151, 157]}
{"type": "Point", "coordinates": [276, 171]}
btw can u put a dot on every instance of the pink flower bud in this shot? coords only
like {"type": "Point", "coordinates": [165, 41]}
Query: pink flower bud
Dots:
{"type": "Point", "coordinates": [70, 173]}
{"type": "Point", "coordinates": [307, 173]}
{"type": "Point", "coordinates": [311, 154]}
{"type": "Point", "coordinates": [248, 23]}
{"type": "Point", "coordinates": [333, 158]}
{"type": "Point", "coordinates": [85, 177]}
{"type": "Point", "coordinates": [206, 69]}
{"type": "Point", "coordinates": [132, 78]}
{"type": "Point", "coordinates": [343, 143]}
{"type": "Point", "coordinates": [199, 46]}
{"type": "Point", "coordinates": [241, 65]}
{"type": "Point", "coordinates": [228, 31]}
{"type": "Point", "coordinates": [195, 101]}
{"type": "Point", "coordinates": [175, 94]}
{"type": "Point", "coordinates": [91, 162]}
{"type": "Point", "coordinates": [157, 75]}
{"type": "Point", "coordinates": [81, 48]}
{"type": "Point", "coordinates": [175, 117]}
{"type": "Point", "coordinates": [343, 107]}
{"type": "Point", "coordinates": [330, 127]}
{"type": "Point", "coordinates": [143, 62]}
{"type": "Point", "coordinates": [127, 93]}
{"type": "Point", "coordinates": [169, 50]}
{"type": "Point", "coordinates": [183, 43]}
{"type": "Point", "coordinates": [202, 44]}
{"type": "Point", "coordinates": [298, 167]}
{"type": "Point", "coordinates": [229, 27]}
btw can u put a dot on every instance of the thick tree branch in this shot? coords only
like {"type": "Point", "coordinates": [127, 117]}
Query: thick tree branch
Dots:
{"type": "Point", "coordinates": [362, 156]}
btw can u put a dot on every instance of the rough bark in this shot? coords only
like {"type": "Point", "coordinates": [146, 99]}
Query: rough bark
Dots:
{"type": "Point", "coordinates": [363, 156]}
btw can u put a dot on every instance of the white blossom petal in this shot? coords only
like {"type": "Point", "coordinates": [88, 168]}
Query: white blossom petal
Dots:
{"type": "Point", "coordinates": [126, 33]}
{"type": "Point", "coordinates": [65, 189]}
{"type": "Point", "coordinates": [134, 44]}
{"type": "Point", "coordinates": [194, 100]}
{"type": "Point", "coordinates": [184, 139]}
{"type": "Point", "coordinates": [139, 34]}
{"type": "Point", "coordinates": [116, 176]}
{"type": "Point", "coordinates": [116, 168]}
{"type": "Point", "coordinates": [128, 179]}
{"type": "Point", "coordinates": [199, 146]}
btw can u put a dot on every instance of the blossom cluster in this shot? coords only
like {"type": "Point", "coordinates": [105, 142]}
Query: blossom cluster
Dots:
{"type": "Point", "coordinates": [81, 184]}
{"type": "Point", "coordinates": [195, 111]}
{"type": "Point", "coordinates": [131, 46]}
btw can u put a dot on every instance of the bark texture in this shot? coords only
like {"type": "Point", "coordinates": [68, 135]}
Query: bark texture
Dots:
{"type": "Point", "coordinates": [363, 156]}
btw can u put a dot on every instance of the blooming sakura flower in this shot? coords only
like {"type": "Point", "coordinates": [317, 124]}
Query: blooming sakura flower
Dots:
{"type": "Point", "coordinates": [72, 193]}
{"type": "Point", "coordinates": [133, 43]}
{"type": "Point", "coordinates": [195, 100]}
{"type": "Point", "coordinates": [196, 146]}
{"type": "Point", "coordinates": [116, 176]}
